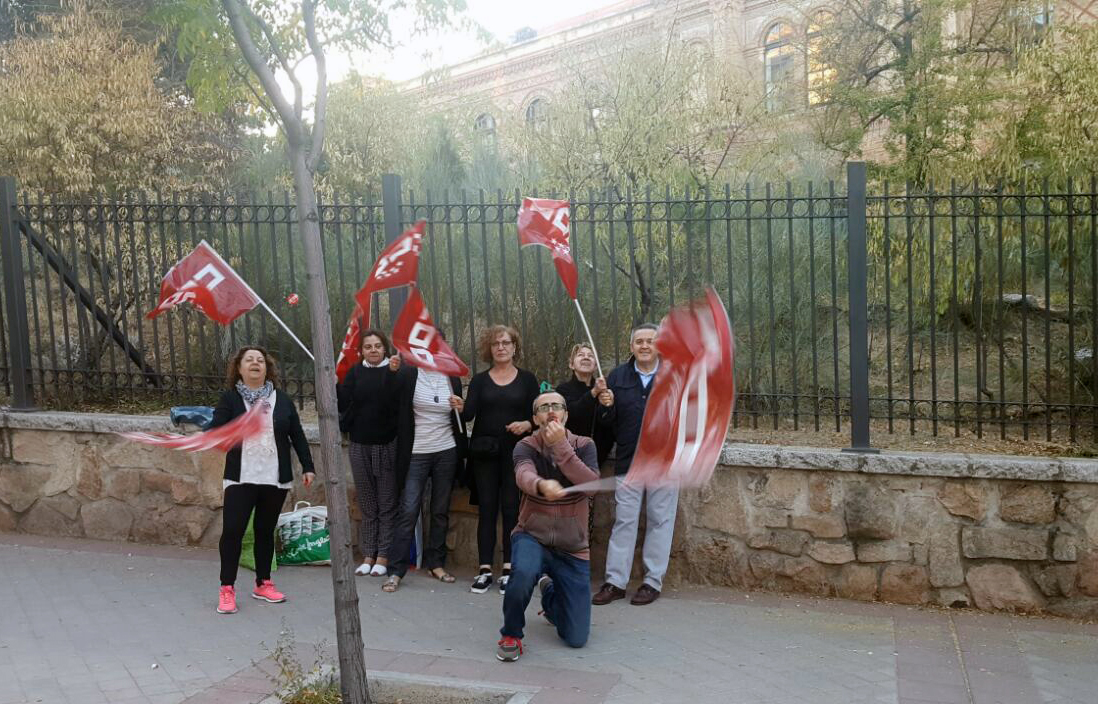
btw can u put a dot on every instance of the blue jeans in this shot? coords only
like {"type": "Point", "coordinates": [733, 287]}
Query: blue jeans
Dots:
{"type": "Point", "coordinates": [566, 601]}
{"type": "Point", "coordinates": [439, 467]}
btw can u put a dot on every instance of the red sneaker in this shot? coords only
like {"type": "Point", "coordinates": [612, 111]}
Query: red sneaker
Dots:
{"type": "Point", "coordinates": [510, 649]}
{"type": "Point", "coordinates": [226, 600]}
{"type": "Point", "coordinates": [266, 592]}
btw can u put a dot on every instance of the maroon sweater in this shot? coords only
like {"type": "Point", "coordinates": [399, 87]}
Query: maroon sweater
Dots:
{"type": "Point", "coordinates": [561, 525]}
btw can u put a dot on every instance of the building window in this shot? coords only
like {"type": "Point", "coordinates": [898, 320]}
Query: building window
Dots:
{"type": "Point", "coordinates": [778, 61]}
{"type": "Point", "coordinates": [485, 128]}
{"type": "Point", "coordinates": [819, 72]}
{"type": "Point", "coordinates": [537, 115]}
{"type": "Point", "coordinates": [1034, 21]}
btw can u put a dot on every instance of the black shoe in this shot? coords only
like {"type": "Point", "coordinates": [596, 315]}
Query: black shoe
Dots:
{"type": "Point", "coordinates": [645, 595]}
{"type": "Point", "coordinates": [481, 583]}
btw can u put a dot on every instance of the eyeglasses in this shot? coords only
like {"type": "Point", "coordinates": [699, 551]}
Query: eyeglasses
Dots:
{"type": "Point", "coordinates": [546, 407]}
{"type": "Point", "coordinates": [502, 343]}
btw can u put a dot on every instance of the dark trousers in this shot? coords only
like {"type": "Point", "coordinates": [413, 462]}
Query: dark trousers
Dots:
{"type": "Point", "coordinates": [496, 493]}
{"type": "Point", "coordinates": [240, 500]}
{"type": "Point", "coordinates": [566, 601]}
{"type": "Point", "coordinates": [374, 470]}
{"type": "Point", "coordinates": [439, 467]}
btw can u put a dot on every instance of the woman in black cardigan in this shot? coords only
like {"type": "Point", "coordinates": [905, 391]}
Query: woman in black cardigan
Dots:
{"type": "Point", "coordinates": [500, 404]}
{"type": "Point", "coordinates": [369, 399]}
{"type": "Point", "coordinates": [258, 473]}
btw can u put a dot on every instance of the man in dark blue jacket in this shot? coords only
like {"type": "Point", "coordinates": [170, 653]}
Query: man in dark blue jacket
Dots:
{"type": "Point", "coordinates": [630, 385]}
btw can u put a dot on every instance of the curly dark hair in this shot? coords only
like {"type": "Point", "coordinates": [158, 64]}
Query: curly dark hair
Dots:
{"type": "Point", "coordinates": [232, 373]}
{"type": "Point", "coordinates": [372, 332]}
{"type": "Point", "coordinates": [489, 334]}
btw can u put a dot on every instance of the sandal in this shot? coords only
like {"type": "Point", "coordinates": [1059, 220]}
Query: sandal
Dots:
{"type": "Point", "coordinates": [391, 584]}
{"type": "Point", "coordinates": [442, 575]}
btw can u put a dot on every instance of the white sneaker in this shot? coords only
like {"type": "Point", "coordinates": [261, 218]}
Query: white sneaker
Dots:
{"type": "Point", "coordinates": [363, 569]}
{"type": "Point", "coordinates": [379, 571]}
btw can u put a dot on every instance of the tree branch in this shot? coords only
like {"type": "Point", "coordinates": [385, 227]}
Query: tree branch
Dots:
{"type": "Point", "coordinates": [290, 120]}
{"type": "Point", "coordinates": [320, 106]}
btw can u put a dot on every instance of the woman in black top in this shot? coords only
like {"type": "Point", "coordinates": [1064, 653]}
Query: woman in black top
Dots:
{"type": "Point", "coordinates": [583, 393]}
{"type": "Point", "coordinates": [369, 404]}
{"type": "Point", "coordinates": [500, 401]}
{"type": "Point", "coordinates": [258, 473]}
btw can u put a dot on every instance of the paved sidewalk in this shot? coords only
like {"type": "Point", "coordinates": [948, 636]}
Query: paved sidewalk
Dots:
{"type": "Point", "coordinates": [85, 622]}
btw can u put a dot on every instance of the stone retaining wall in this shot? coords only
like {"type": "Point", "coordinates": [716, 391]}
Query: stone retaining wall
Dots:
{"type": "Point", "coordinates": [998, 533]}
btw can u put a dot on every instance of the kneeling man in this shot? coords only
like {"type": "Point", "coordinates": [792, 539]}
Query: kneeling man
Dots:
{"type": "Point", "coordinates": [549, 546]}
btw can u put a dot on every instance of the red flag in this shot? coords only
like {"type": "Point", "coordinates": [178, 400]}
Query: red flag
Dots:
{"type": "Point", "coordinates": [350, 354]}
{"type": "Point", "coordinates": [206, 280]}
{"type": "Point", "coordinates": [688, 411]}
{"type": "Point", "coordinates": [545, 221]}
{"type": "Point", "coordinates": [419, 343]}
{"type": "Point", "coordinates": [398, 265]}
{"type": "Point", "coordinates": [223, 438]}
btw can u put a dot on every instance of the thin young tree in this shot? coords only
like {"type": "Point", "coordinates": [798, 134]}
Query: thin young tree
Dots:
{"type": "Point", "coordinates": [262, 49]}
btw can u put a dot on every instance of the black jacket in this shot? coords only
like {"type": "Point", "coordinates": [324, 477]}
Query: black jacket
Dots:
{"type": "Point", "coordinates": [583, 415]}
{"type": "Point", "coordinates": [287, 430]}
{"type": "Point", "coordinates": [406, 422]}
{"type": "Point", "coordinates": [369, 400]}
{"type": "Point", "coordinates": [626, 415]}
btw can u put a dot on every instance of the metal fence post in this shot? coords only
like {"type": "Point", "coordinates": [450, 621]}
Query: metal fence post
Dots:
{"type": "Point", "coordinates": [857, 287]}
{"type": "Point", "coordinates": [15, 301]}
{"type": "Point", "coordinates": [394, 226]}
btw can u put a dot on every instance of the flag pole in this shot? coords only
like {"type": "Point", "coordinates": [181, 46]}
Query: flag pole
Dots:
{"type": "Point", "coordinates": [262, 302]}
{"type": "Point", "coordinates": [588, 331]}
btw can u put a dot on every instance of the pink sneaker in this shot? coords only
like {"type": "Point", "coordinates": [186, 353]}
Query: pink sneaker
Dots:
{"type": "Point", "coordinates": [266, 592]}
{"type": "Point", "coordinates": [226, 600]}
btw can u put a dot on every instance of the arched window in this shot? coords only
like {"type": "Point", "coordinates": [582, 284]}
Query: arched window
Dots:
{"type": "Point", "coordinates": [819, 72]}
{"type": "Point", "coordinates": [778, 61]}
{"type": "Point", "coordinates": [537, 115]}
{"type": "Point", "coordinates": [485, 128]}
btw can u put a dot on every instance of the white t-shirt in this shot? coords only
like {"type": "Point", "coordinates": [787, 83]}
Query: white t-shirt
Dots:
{"type": "Point", "coordinates": [431, 410]}
{"type": "Point", "coordinates": [259, 455]}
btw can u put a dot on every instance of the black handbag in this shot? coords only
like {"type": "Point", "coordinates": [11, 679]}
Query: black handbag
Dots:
{"type": "Point", "coordinates": [484, 447]}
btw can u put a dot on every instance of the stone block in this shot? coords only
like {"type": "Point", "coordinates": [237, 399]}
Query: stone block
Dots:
{"type": "Point", "coordinates": [154, 480]}
{"type": "Point", "coordinates": [720, 506]}
{"type": "Point", "coordinates": [944, 557]}
{"type": "Point", "coordinates": [831, 553]}
{"type": "Point", "coordinates": [1002, 588]}
{"type": "Point", "coordinates": [784, 541]}
{"type": "Point", "coordinates": [1057, 580]}
{"type": "Point", "coordinates": [858, 582]}
{"type": "Point", "coordinates": [821, 491]}
{"type": "Point", "coordinates": [1005, 543]}
{"type": "Point", "coordinates": [808, 576]}
{"type": "Point", "coordinates": [8, 519]}
{"type": "Point", "coordinates": [964, 499]}
{"type": "Point", "coordinates": [953, 598]}
{"type": "Point", "coordinates": [41, 447]}
{"type": "Point", "coordinates": [770, 517]}
{"type": "Point", "coordinates": [1078, 608]}
{"type": "Point", "coordinates": [765, 566]}
{"type": "Point", "coordinates": [870, 512]}
{"type": "Point", "coordinates": [777, 488]}
{"type": "Point", "coordinates": [1065, 547]}
{"type": "Point", "coordinates": [1091, 527]}
{"type": "Point", "coordinates": [919, 513]}
{"type": "Point", "coordinates": [1088, 574]}
{"type": "Point", "coordinates": [122, 484]}
{"type": "Point", "coordinates": [44, 518]}
{"type": "Point", "coordinates": [820, 526]}
{"type": "Point", "coordinates": [920, 554]}
{"type": "Point", "coordinates": [62, 476]}
{"type": "Point", "coordinates": [20, 486]}
{"type": "Point", "coordinates": [905, 584]}
{"type": "Point", "coordinates": [887, 551]}
{"type": "Point", "coordinates": [1029, 503]}
{"type": "Point", "coordinates": [212, 536]}
{"type": "Point", "coordinates": [186, 491]}
{"type": "Point", "coordinates": [107, 519]}
{"type": "Point", "coordinates": [715, 560]}
{"type": "Point", "coordinates": [89, 480]}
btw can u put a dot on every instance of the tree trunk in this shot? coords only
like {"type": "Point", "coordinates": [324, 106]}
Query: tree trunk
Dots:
{"type": "Point", "coordinates": [352, 663]}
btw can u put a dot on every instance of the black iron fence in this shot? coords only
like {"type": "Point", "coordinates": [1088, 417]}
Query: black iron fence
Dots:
{"type": "Point", "coordinates": [932, 311]}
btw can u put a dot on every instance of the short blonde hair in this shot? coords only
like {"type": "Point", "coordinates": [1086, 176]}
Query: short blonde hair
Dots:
{"type": "Point", "coordinates": [489, 334]}
{"type": "Point", "coordinates": [577, 347]}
